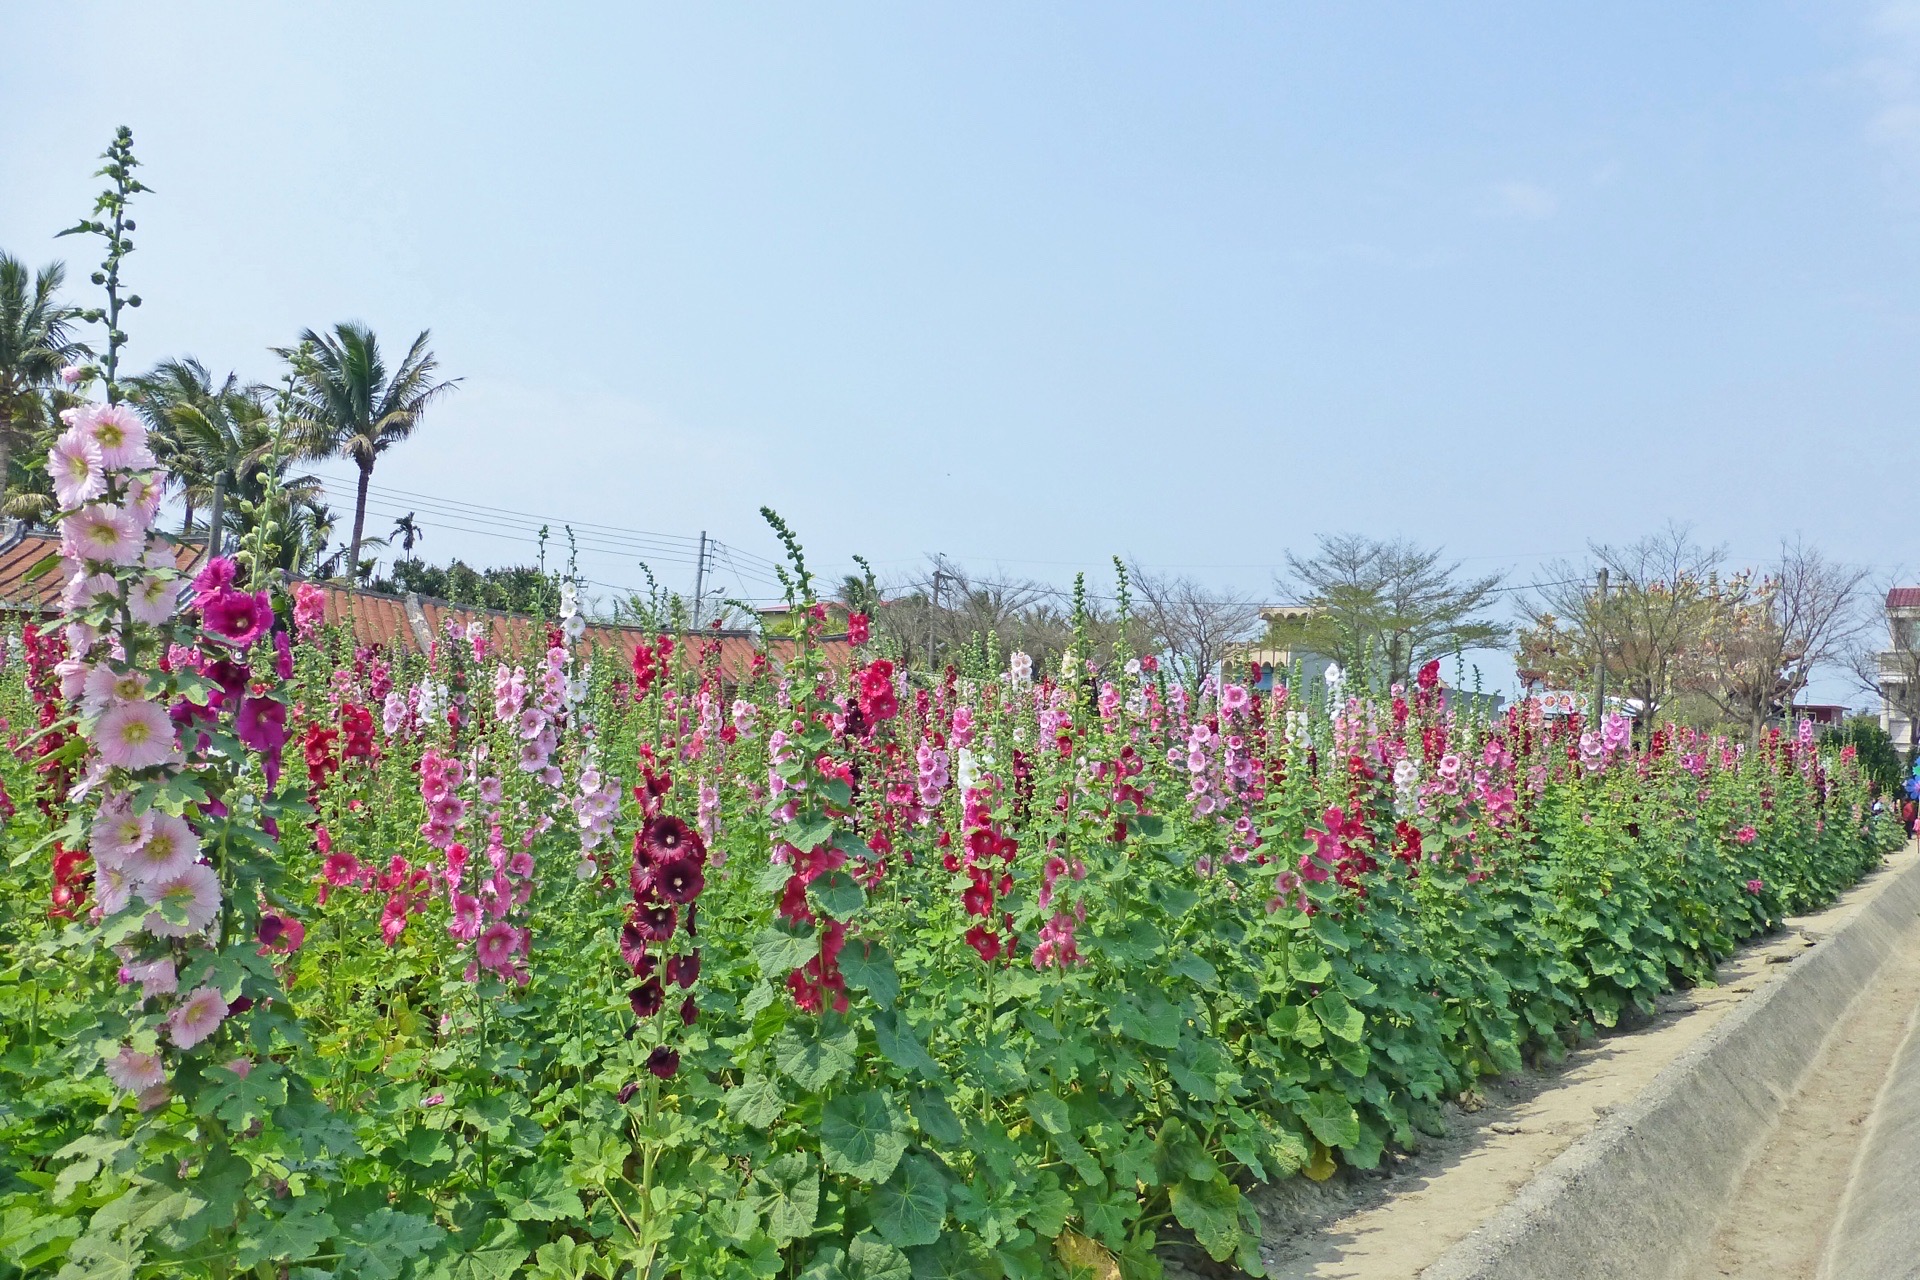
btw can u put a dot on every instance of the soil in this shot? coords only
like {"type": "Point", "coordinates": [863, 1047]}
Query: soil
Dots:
{"type": "Point", "coordinates": [1398, 1220]}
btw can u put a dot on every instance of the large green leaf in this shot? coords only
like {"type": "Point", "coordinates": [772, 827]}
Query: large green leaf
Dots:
{"type": "Point", "coordinates": [1211, 1210]}
{"type": "Point", "coordinates": [780, 952]}
{"type": "Point", "coordinates": [863, 1135]}
{"type": "Point", "coordinates": [1331, 1118]}
{"type": "Point", "coordinates": [756, 1101]}
{"type": "Point", "coordinates": [378, 1246]}
{"type": "Point", "coordinates": [285, 1237]}
{"type": "Point", "coordinates": [1338, 1017]}
{"type": "Point", "coordinates": [871, 1259]}
{"type": "Point", "coordinates": [792, 1199]}
{"type": "Point", "coordinates": [813, 1057]}
{"type": "Point", "coordinates": [838, 894]}
{"type": "Point", "coordinates": [867, 967]}
{"type": "Point", "coordinates": [894, 1034]}
{"type": "Point", "coordinates": [911, 1207]}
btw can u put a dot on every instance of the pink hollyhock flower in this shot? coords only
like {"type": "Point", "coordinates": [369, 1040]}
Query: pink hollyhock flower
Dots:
{"type": "Point", "coordinates": [214, 577]}
{"type": "Point", "coordinates": [170, 849]}
{"type": "Point", "coordinates": [154, 600]}
{"type": "Point", "coordinates": [1756, 887]}
{"type": "Point", "coordinates": [237, 617]}
{"type": "Point", "coordinates": [76, 469]}
{"type": "Point", "coordinates": [118, 832]}
{"type": "Point", "coordinates": [309, 608]}
{"type": "Point", "coordinates": [102, 534]}
{"type": "Point", "coordinates": [1746, 835]}
{"type": "Point", "coordinates": [135, 735]}
{"type": "Point", "coordinates": [156, 977]}
{"type": "Point", "coordinates": [121, 436]}
{"type": "Point", "coordinates": [196, 890]}
{"type": "Point", "coordinates": [197, 1017]}
{"type": "Point", "coordinates": [134, 1071]}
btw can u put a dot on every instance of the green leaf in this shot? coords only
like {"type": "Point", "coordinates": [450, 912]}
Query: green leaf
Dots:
{"type": "Point", "coordinates": [1331, 1118]}
{"type": "Point", "coordinates": [566, 1259]}
{"type": "Point", "coordinates": [936, 1117]}
{"type": "Point", "coordinates": [1211, 1210]}
{"type": "Point", "coordinates": [869, 968]}
{"type": "Point", "coordinates": [1189, 965]}
{"type": "Point", "coordinates": [813, 1057]}
{"type": "Point", "coordinates": [861, 1135]}
{"type": "Point", "coordinates": [1049, 1112]}
{"type": "Point", "coordinates": [781, 952]}
{"type": "Point", "coordinates": [792, 1202]}
{"type": "Point", "coordinates": [911, 1207]}
{"type": "Point", "coordinates": [1156, 1023]}
{"type": "Point", "coordinates": [285, 1237]}
{"type": "Point", "coordinates": [897, 1041]}
{"type": "Point", "coordinates": [379, 1245]}
{"type": "Point", "coordinates": [871, 1259]}
{"type": "Point", "coordinates": [541, 1194]}
{"type": "Point", "coordinates": [838, 894]}
{"type": "Point", "coordinates": [756, 1101]}
{"type": "Point", "coordinates": [1338, 1017]}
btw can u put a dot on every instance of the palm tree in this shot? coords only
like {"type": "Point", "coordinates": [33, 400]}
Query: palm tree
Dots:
{"type": "Point", "coordinates": [409, 532]}
{"type": "Point", "coordinates": [195, 427]}
{"type": "Point", "coordinates": [35, 342]}
{"type": "Point", "coordinates": [352, 407]}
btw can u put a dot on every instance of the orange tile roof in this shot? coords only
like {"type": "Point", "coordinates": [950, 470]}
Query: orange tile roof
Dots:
{"type": "Point", "coordinates": [406, 624]}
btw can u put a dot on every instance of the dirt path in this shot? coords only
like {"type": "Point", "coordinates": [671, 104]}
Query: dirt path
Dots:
{"type": "Point", "coordinates": [1398, 1221]}
{"type": "Point", "coordinates": [1777, 1224]}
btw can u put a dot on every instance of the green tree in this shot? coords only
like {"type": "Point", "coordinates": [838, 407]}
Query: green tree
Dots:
{"type": "Point", "coordinates": [36, 341]}
{"type": "Point", "coordinates": [352, 406]}
{"type": "Point", "coordinates": [1879, 758]}
{"type": "Point", "coordinates": [1393, 604]}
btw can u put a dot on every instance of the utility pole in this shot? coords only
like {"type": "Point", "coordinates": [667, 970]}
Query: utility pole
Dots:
{"type": "Point", "coordinates": [215, 516]}
{"type": "Point", "coordinates": [1600, 651]}
{"type": "Point", "coordinates": [933, 614]}
{"type": "Point", "coordinates": [700, 580]}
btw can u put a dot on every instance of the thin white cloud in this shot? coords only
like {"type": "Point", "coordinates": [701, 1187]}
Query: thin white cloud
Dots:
{"type": "Point", "coordinates": [1525, 200]}
{"type": "Point", "coordinates": [1891, 74]}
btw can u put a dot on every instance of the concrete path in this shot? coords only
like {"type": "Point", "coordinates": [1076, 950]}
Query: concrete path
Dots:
{"type": "Point", "coordinates": [1834, 1193]}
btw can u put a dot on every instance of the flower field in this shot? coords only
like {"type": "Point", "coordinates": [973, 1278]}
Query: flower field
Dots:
{"type": "Point", "coordinates": [530, 957]}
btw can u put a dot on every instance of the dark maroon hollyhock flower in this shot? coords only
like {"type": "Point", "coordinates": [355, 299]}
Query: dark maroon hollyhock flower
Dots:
{"type": "Point", "coordinates": [679, 878]}
{"type": "Point", "coordinates": [683, 971]}
{"type": "Point", "coordinates": [666, 836]}
{"type": "Point", "coordinates": [272, 929]}
{"type": "Point", "coordinates": [647, 998]}
{"type": "Point", "coordinates": [240, 1004]}
{"type": "Point", "coordinates": [655, 923]}
{"type": "Point", "coordinates": [633, 949]}
{"type": "Point", "coordinates": [640, 880]}
{"type": "Point", "coordinates": [688, 1012]}
{"type": "Point", "coordinates": [691, 931]}
{"type": "Point", "coordinates": [663, 1062]}
{"type": "Point", "coordinates": [627, 1091]}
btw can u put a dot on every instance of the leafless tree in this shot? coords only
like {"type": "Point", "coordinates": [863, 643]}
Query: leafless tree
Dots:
{"type": "Point", "coordinates": [1886, 663]}
{"type": "Point", "coordinates": [1659, 599]}
{"type": "Point", "coordinates": [1195, 625]}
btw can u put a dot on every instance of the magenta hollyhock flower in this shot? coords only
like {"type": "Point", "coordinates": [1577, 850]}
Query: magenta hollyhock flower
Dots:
{"type": "Point", "coordinates": [238, 617]}
{"type": "Point", "coordinates": [197, 1017]}
{"type": "Point", "coordinates": [136, 734]}
{"type": "Point", "coordinates": [214, 577]}
{"type": "Point", "coordinates": [280, 933]}
{"type": "Point", "coordinates": [261, 724]}
{"type": "Point", "coordinates": [134, 1071]}
{"type": "Point", "coordinates": [196, 890]}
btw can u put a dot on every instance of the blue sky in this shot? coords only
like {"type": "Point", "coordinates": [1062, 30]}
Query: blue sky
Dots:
{"type": "Point", "coordinates": [1033, 285]}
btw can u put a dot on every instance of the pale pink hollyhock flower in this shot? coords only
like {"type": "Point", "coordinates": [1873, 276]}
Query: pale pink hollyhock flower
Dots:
{"type": "Point", "coordinates": [154, 600]}
{"type": "Point", "coordinates": [73, 673]}
{"type": "Point", "coordinates": [170, 850]}
{"type": "Point", "coordinates": [121, 435]}
{"type": "Point", "coordinates": [144, 496]}
{"type": "Point", "coordinates": [88, 589]}
{"type": "Point", "coordinates": [196, 889]}
{"type": "Point", "coordinates": [156, 977]}
{"type": "Point", "coordinates": [80, 639]}
{"type": "Point", "coordinates": [103, 535]}
{"type": "Point", "coordinates": [76, 469]}
{"type": "Point", "coordinates": [112, 890]}
{"type": "Point", "coordinates": [135, 735]}
{"type": "Point", "coordinates": [154, 1097]}
{"type": "Point", "coordinates": [118, 832]}
{"type": "Point", "coordinates": [134, 1071]}
{"type": "Point", "coordinates": [196, 1017]}
{"type": "Point", "coordinates": [105, 688]}
{"type": "Point", "coordinates": [72, 374]}
{"type": "Point", "coordinates": [242, 1067]}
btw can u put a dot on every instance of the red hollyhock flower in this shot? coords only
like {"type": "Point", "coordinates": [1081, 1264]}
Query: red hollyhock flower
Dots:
{"type": "Point", "coordinates": [984, 941]}
{"type": "Point", "coordinates": [679, 878]}
{"type": "Point", "coordinates": [656, 923]}
{"type": "Point", "coordinates": [1429, 677]}
{"type": "Point", "coordinates": [684, 971]}
{"type": "Point", "coordinates": [665, 836]}
{"type": "Point", "coordinates": [647, 998]}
